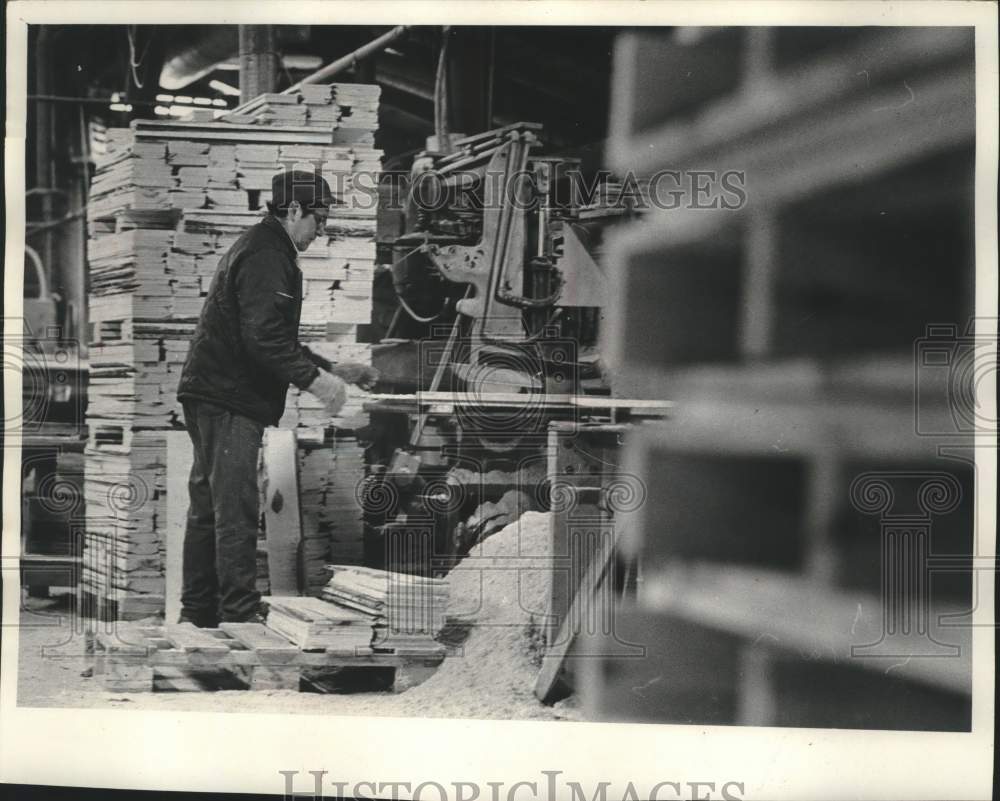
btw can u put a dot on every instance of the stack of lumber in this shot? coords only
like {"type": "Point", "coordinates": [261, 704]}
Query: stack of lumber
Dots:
{"type": "Point", "coordinates": [271, 109]}
{"type": "Point", "coordinates": [124, 483]}
{"type": "Point", "coordinates": [167, 201]}
{"type": "Point", "coordinates": [147, 289]}
{"type": "Point", "coordinates": [151, 167]}
{"type": "Point", "coordinates": [348, 111]}
{"type": "Point", "coordinates": [408, 611]}
{"type": "Point", "coordinates": [332, 527]}
{"type": "Point", "coordinates": [340, 271]}
{"type": "Point", "coordinates": [317, 626]}
{"type": "Point", "coordinates": [131, 175]}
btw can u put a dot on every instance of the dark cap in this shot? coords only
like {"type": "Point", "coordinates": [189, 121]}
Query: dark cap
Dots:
{"type": "Point", "coordinates": [308, 188]}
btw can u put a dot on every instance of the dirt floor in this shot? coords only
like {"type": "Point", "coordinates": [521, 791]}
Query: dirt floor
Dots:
{"type": "Point", "coordinates": [497, 596]}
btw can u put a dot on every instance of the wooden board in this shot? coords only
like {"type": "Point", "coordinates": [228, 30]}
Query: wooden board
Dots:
{"type": "Point", "coordinates": [261, 134]}
{"type": "Point", "coordinates": [124, 639]}
{"type": "Point", "coordinates": [281, 511]}
{"type": "Point", "coordinates": [791, 614]}
{"type": "Point", "coordinates": [180, 455]}
{"type": "Point", "coordinates": [586, 458]}
{"type": "Point", "coordinates": [270, 646]}
{"type": "Point", "coordinates": [447, 402]}
{"type": "Point", "coordinates": [547, 683]}
{"type": "Point", "coordinates": [192, 640]}
{"type": "Point", "coordinates": [508, 398]}
{"type": "Point", "coordinates": [313, 609]}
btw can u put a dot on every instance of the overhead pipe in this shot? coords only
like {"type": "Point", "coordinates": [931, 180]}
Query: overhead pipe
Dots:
{"type": "Point", "coordinates": [194, 61]}
{"type": "Point", "coordinates": [351, 59]}
{"type": "Point", "coordinates": [216, 47]}
{"type": "Point", "coordinates": [416, 82]}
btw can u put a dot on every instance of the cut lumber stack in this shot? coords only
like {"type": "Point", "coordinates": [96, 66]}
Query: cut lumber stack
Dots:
{"type": "Point", "coordinates": [407, 611]}
{"type": "Point", "coordinates": [125, 506]}
{"type": "Point", "coordinates": [314, 625]}
{"type": "Point", "coordinates": [348, 111]}
{"type": "Point", "coordinates": [332, 528]}
{"type": "Point", "coordinates": [167, 201]}
{"type": "Point", "coordinates": [132, 175]}
{"type": "Point", "coordinates": [143, 173]}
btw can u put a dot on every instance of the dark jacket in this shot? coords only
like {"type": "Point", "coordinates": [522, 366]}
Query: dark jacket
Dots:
{"type": "Point", "coordinates": [245, 351]}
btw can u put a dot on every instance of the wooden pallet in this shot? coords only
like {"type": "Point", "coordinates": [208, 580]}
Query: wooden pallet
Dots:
{"type": "Point", "coordinates": [131, 657]}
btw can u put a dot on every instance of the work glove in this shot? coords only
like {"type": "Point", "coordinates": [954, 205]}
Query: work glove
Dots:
{"type": "Point", "coordinates": [331, 390]}
{"type": "Point", "coordinates": [361, 375]}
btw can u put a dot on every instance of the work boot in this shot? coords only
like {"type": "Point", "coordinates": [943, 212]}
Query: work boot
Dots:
{"type": "Point", "coordinates": [202, 621]}
{"type": "Point", "coordinates": [254, 618]}
{"type": "Point", "coordinates": [258, 616]}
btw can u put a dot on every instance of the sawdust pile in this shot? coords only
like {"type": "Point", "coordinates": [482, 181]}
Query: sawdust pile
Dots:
{"type": "Point", "coordinates": [499, 594]}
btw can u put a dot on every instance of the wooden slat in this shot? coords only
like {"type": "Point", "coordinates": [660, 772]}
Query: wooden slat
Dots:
{"type": "Point", "coordinates": [193, 640]}
{"type": "Point", "coordinates": [270, 646]}
{"type": "Point", "coordinates": [272, 677]}
{"type": "Point", "coordinates": [573, 451]}
{"type": "Point", "coordinates": [313, 609]}
{"type": "Point", "coordinates": [141, 126]}
{"type": "Point", "coordinates": [791, 614]}
{"type": "Point", "coordinates": [517, 399]}
{"type": "Point", "coordinates": [125, 664]}
{"type": "Point", "coordinates": [177, 658]}
{"type": "Point", "coordinates": [251, 133]}
{"type": "Point", "coordinates": [327, 611]}
{"type": "Point", "coordinates": [176, 679]}
{"type": "Point", "coordinates": [546, 685]}
{"type": "Point", "coordinates": [121, 677]}
{"type": "Point", "coordinates": [180, 455]}
{"type": "Point", "coordinates": [421, 653]}
{"type": "Point", "coordinates": [281, 511]}
{"type": "Point", "coordinates": [125, 639]}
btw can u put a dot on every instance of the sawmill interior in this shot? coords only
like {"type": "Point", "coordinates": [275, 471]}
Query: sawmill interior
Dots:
{"type": "Point", "coordinates": [676, 354]}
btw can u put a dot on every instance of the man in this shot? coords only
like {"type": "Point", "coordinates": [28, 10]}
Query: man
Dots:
{"type": "Point", "coordinates": [244, 354]}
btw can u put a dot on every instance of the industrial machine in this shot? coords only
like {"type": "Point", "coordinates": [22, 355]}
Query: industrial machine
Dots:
{"type": "Point", "coordinates": [502, 300]}
{"type": "Point", "coordinates": [50, 432]}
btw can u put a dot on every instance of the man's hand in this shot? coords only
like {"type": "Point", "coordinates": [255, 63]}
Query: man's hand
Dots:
{"type": "Point", "coordinates": [331, 390]}
{"type": "Point", "coordinates": [361, 375]}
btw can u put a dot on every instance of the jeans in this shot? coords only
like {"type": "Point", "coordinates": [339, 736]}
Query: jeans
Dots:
{"type": "Point", "coordinates": [220, 541]}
